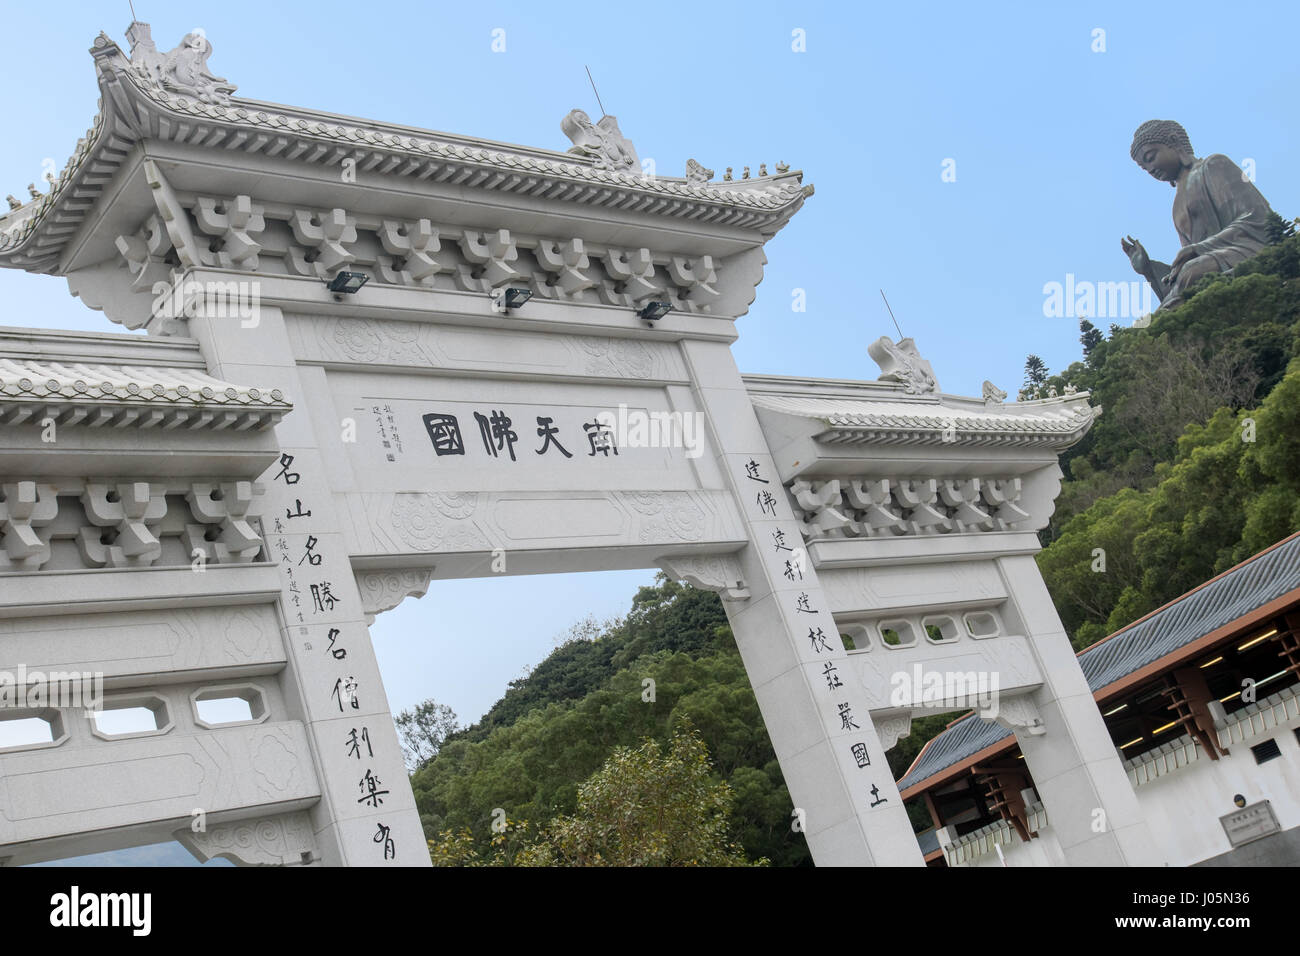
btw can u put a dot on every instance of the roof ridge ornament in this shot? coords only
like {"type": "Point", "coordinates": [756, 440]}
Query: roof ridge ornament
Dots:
{"type": "Point", "coordinates": [696, 173]}
{"type": "Point", "coordinates": [603, 142]}
{"type": "Point", "coordinates": [182, 70]}
{"type": "Point", "coordinates": [993, 395]}
{"type": "Point", "coordinates": [901, 362]}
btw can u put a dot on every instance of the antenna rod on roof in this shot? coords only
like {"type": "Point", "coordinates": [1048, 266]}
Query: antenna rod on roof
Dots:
{"type": "Point", "coordinates": [593, 89]}
{"type": "Point", "coordinates": [132, 6]}
{"type": "Point", "coordinates": [891, 314]}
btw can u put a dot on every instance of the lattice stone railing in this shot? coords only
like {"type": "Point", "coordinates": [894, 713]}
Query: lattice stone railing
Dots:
{"type": "Point", "coordinates": [1257, 719]}
{"type": "Point", "coordinates": [1253, 720]}
{"type": "Point", "coordinates": [1168, 757]}
{"type": "Point", "coordinates": [978, 843]}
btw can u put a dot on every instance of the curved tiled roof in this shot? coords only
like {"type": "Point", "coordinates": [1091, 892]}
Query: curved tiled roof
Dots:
{"type": "Point", "coordinates": [851, 420]}
{"type": "Point", "coordinates": [1238, 591]}
{"type": "Point", "coordinates": [132, 110]}
{"type": "Point", "coordinates": [117, 393]}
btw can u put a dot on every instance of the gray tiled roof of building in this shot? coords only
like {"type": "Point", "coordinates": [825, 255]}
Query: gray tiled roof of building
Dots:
{"type": "Point", "coordinates": [928, 841]}
{"type": "Point", "coordinates": [1238, 591]}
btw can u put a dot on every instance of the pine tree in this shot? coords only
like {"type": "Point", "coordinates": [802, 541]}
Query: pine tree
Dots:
{"type": "Point", "coordinates": [1091, 336]}
{"type": "Point", "coordinates": [1035, 373]}
{"type": "Point", "coordinates": [1278, 228]}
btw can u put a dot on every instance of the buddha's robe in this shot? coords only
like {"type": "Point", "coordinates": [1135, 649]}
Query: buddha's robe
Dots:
{"type": "Point", "coordinates": [1221, 212]}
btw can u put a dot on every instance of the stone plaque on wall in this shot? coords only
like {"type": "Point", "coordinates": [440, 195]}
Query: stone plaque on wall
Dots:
{"type": "Point", "coordinates": [1250, 823]}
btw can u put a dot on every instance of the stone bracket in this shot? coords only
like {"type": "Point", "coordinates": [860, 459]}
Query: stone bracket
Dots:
{"type": "Point", "coordinates": [633, 272]}
{"type": "Point", "coordinates": [819, 501]}
{"type": "Point", "coordinates": [326, 236]}
{"type": "Point", "coordinates": [414, 247]}
{"type": "Point", "coordinates": [175, 219]}
{"type": "Point", "coordinates": [565, 266]}
{"type": "Point", "coordinates": [890, 507]}
{"type": "Point", "coordinates": [696, 278]}
{"type": "Point", "coordinates": [24, 507]}
{"type": "Point", "coordinates": [1019, 714]}
{"type": "Point", "coordinates": [132, 511]}
{"type": "Point", "coordinates": [285, 839]}
{"type": "Point", "coordinates": [718, 573]}
{"type": "Point", "coordinates": [232, 223]}
{"type": "Point", "coordinates": [492, 257]}
{"type": "Point", "coordinates": [892, 726]}
{"type": "Point", "coordinates": [145, 252]}
{"type": "Point", "coordinates": [384, 590]}
{"type": "Point", "coordinates": [224, 534]}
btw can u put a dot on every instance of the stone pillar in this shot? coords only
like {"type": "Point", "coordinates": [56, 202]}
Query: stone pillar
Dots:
{"type": "Point", "coordinates": [845, 799]}
{"type": "Point", "coordinates": [366, 815]}
{"type": "Point", "coordinates": [1078, 774]}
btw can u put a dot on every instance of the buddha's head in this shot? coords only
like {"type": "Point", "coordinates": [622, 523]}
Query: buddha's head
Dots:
{"type": "Point", "coordinates": [1162, 148]}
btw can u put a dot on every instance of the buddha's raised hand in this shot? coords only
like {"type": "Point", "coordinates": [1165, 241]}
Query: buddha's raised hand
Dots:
{"type": "Point", "coordinates": [1137, 256]}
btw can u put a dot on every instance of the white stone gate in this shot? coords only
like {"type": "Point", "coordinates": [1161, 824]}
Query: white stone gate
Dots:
{"type": "Point", "coordinates": [219, 509]}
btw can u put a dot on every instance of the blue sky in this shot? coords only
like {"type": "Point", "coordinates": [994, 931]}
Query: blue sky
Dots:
{"type": "Point", "coordinates": [1036, 123]}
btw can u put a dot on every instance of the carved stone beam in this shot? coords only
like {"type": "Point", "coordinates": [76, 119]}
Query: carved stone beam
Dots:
{"type": "Point", "coordinates": [634, 271]}
{"type": "Point", "coordinates": [718, 573]}
{"type": "Point", "coordinates": [492, 257]}
{"type": "Point", "coordinates": [384, 590]}
{"type": "Point", "coordinates": [1017, 713]}
{"type": "Point", "coordinates": [24, 507]}
{"type": "Point", "coordinates": [565, 265]}
{"type": "Point", "coordinates": [224, 535]}
{"type": "Point", "coordinates": [175, 219]}
{"type": "Point", "coordinates": [126, 519]}
{"type": "Point", "coordinates": [232, 223]}
{"type": "Point", "coordinates": [326, 236]}
{"type": "Point", "coordinates": [414, 246]}
{"type": "Point", "coordinates": [285, 839]}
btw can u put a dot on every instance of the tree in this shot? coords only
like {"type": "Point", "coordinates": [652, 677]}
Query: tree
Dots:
{"type": "Point", "coordinates": [1035, 374]}
{"type": "Point", "coordinates": [1090, 336]}
{"type": "Point", "coordinates": [423, 731]}
{"type": "Point", "coordinates": [646, 807]}
{"type": "Point", "coordinates": [1279, 229]}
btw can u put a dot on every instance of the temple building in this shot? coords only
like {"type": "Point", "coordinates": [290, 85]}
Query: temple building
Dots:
{"type": "Point", "coordinates": [1201, 699]}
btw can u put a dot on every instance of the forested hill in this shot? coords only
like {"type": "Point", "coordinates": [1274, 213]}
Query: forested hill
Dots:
{"type": "Point", "coordinates": [553, 730]}
{"type": "Point", "coordinates": [665, 617]}
{"type": "Point", "coordinates": [671, 660]}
